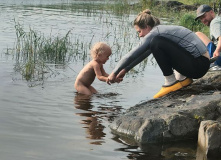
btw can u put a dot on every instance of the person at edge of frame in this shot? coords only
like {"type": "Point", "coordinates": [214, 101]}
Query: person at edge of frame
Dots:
{"type": "Point", "coordinates": [208, 17]}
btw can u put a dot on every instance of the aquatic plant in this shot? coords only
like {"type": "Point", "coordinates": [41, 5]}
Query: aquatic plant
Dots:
{"type": "Point", "coordinates": [33, 51]}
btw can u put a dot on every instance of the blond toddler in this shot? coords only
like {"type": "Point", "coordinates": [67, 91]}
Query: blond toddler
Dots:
{"type": "Point", "coordinates": [100, 53]}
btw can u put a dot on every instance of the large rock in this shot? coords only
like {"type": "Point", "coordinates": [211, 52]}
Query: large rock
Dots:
{"type": "Point", "coordinates": [209, 140]}
{"type": "Point", "coordinates": [176, 116]}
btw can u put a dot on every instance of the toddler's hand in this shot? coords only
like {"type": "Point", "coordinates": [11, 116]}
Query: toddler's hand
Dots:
{"type": "Point", "coordinates": [111, 78]}
{"type": "Point", "coordinates": [108, 81]}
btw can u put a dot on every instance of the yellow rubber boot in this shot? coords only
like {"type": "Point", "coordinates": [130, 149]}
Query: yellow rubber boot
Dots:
{"type": "Point", "coordinates": [167, 89]}
{"type": "Point", "coordinates": [186, 82]}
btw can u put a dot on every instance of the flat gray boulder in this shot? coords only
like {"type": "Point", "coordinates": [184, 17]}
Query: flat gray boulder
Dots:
{"type": "Point", "coordinates": [174, 117]}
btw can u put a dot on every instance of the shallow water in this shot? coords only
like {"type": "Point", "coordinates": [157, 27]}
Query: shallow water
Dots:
{"type": "Point", "coordinates": [47, 119]}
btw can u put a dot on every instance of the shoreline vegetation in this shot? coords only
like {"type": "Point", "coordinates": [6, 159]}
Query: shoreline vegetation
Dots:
{"type": "Point", "coordinates": [33, 50]}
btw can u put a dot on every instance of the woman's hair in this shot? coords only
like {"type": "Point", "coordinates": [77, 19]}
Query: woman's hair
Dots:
{"type": "Point", "coordinates": [145, 19]}
{"type": "Point", "coordinates": [99, 48]}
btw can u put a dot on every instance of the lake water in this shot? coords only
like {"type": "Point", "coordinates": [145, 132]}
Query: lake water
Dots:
{"type": "Point", "coordinates": [46, 119]}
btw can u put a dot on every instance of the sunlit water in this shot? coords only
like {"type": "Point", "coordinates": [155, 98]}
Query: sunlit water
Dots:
{"type": "Point", "coordinates": [48, 120]}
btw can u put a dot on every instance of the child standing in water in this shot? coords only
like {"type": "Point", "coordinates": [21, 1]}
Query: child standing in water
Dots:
{"type": "Point", "coordinates": [100, 53]}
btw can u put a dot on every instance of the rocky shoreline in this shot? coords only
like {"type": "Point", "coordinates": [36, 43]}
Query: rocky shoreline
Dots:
{"type": "Point", "coordinates": [174, 117]}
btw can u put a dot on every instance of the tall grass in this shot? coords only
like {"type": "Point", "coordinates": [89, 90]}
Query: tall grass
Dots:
{"type": "Point", "coordinates": [197, 2]}
{"type": "Point", "coordinates": [34, 51]}
{"type": "Point", "coordinates": [35, 46]}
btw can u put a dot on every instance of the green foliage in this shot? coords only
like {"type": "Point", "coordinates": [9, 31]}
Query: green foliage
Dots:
{"type": "Point", "coordinates": [188, 21]}
{"type": "Point", "coordinates": [199, 118]}
{"type": "Point", "coordinates": [119, 7]}
{"type": "Point", "coordinates": [192, 2]}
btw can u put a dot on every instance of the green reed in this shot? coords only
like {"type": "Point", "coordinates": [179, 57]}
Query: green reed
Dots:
{"type": "Point", "coordinates": [34, 50]}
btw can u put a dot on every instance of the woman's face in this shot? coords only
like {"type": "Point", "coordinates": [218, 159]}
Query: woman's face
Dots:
{"type": "Point", "coordinates": [142, 32]}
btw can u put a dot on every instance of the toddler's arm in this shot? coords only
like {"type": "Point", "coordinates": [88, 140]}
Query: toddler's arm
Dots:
{"type": "Point", "coordinates": [103, 72]}
{"type": "Point", "coordinates": [99, 71]}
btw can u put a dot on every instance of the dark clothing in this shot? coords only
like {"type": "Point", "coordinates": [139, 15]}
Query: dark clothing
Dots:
{"type": "Point", "coordinates": [169, 55]}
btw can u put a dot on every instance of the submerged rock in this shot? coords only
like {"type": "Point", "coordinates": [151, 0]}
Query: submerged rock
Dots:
{"type": "Point", "coordinates": [174, 117]}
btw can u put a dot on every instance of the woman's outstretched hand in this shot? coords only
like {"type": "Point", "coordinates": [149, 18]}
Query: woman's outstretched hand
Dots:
{"type": "Point", "coordinates": [112, 78]}
{"type": "Point", "coordinates": [121, 74]}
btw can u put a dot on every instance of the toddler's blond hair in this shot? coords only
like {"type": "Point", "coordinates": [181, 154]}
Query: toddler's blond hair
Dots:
{"type": "Point", "coordinates": [98, 48]}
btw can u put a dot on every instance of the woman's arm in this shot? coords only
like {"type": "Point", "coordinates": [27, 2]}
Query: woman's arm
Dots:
{"type": "Point", "coordinates": [112, 77]}
{"type": "Point", "coordinates": [122, 73]}
{"type": "Point", "coordinates": [129, 58]}
{"type": "Point", "coordinates": [132, 58]}
{"type": "Point", "coordinates": [138, 60]}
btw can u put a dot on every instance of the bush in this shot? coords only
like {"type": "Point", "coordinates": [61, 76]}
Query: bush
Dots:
{"type": "Point", "coordinates": [188, 21]}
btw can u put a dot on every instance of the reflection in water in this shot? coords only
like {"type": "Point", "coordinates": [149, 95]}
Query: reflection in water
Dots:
{"type": "Point", "coordinates": [202, 154]}
{"type": "Point", "coordinates": [142, 152]}
{"type": "Point", "coordinates": [170, 151]}
{"type": "Point", "coordinates": [96, 114]}
{"type": "Point", "coordinates": [93, 124]}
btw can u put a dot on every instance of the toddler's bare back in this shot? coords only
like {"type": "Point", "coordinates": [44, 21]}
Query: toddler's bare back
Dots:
{"type": "Point", "coordinates": [86, 75]}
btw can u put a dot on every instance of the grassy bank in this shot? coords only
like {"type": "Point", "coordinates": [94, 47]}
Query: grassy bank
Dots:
{"type": "Point", "coordinates": [125, 7]}
{"type": "Point", "coordinates": [158, 8]}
